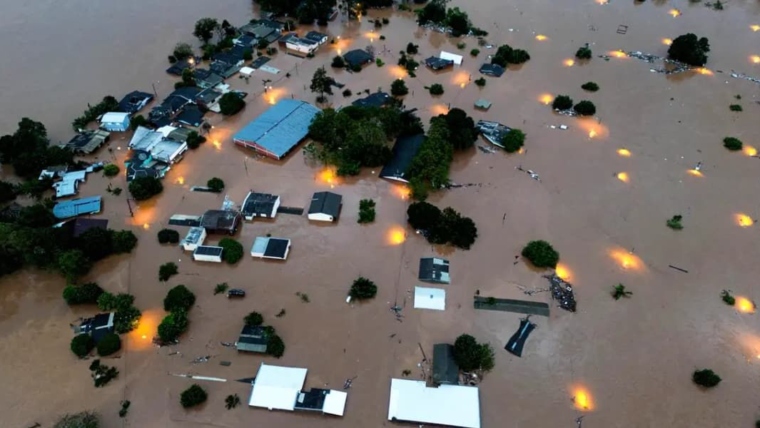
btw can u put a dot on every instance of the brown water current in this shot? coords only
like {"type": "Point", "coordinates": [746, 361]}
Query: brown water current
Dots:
{"type": "Point", "coordinates": [629, 362]}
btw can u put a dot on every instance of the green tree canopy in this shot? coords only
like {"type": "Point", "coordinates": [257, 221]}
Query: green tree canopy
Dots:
{"type": "Point", "coordinates": [204, 29]}
{"type": "Point", "coordinates": [321, 83]}
{"type": "Point", "coordinates": [583, 53]}
{"type": "Point", "coordinates": [167, 270]}
{"type": "Point", "coordinates": [79, 420]}
{"type": "Point", "coordinates": [123, 241]}
{"type": "Point", "coordinates": [541, 254]}
{"type": "Point", "coordinates": [173, 325]}
{"type": "Point", "coordinates": [689, 49]}
{"type": "Point", "coordinates": [462, 130]}
{"type": "Point", "coordinates": [193, 396]}
{"type": "Point", "coordinates": [585, 108]}
{"type": "Point", "coordinates": [95, 243]}
{"type": "Point", "coordinates": [168, 236]}
{"type": "Point", "coordinates": [363, 289]}
{"type": "Point", "coordinates": [109, 344]}
{"type": "Point", "coordinates": [110, 170]}
{"type": "Point", "coordinates": [143, 188]}
{"type": "Point", "coordinates": [423, 215]}
{"type": "Point", "coordinates": [562, 102]}
{"type": "Point", "coordinates": [233, 250]}
{"type": "Point", "coordinates": [275, 346]}
{"type": "Point", "coordinates": [230, 104]}
{"type": "Point", "coordinates": [194, 140]}
{"type": "Point", "coordinates": [73, 264]}
{"type": "Point", "coordinates": [398, 88]}
{"type": "Point", "coordinates": [82, 294]}
{"type": "Point", "coordinates": [254, 319]}
{"type": "Point", "coordinates": [513, 140]}
{"type": "Point", "coordinates": [179, 298]}
{"type": "Point", "coordinates": [81, 345]}
{"type": "Point", "coordinates": [216, 184]}
{"type": "Point", "coordinates": [471, 355]}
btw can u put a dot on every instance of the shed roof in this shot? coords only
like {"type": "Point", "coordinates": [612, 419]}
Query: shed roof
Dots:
{"type": "Point", "coordinates": [114, 117]}
{"type": "Point", "coordinates": [452, 405]}
{"type": "Point", "coordinates": [215, 220]}
{"type": "Point", "coordinates": [429, 298]}
{"type": "Point", "coordinates": [261, 204]}
{"type": "Point", "coordinates": [438, 63]}
{"type": "Point", "coordinates": [75, 207]}
{"type": "Point", "coordinates": [326, 203]}
{"type": "Point", "coordinates": [277, 387]}
{"type": "Point", "coordinates": [445, 368]}
{"type": "Point", "coordinates": [434, 269]}
{"type": "Point", "coordinates": [452, 57]}
{"type": "Point", "coordinates": [492, 70]}
{"type": "Point", "coordinates": [378, 99]}
{"type": "Point", "coordinates": [208, 250]}
{"type": "Point", "coordinates": [403, 152]}
{"type": "Point", "coordinates": [280, 128]}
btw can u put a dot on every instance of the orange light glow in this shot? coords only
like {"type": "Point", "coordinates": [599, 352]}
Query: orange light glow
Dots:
{"type": "Point", "coordinates": [568, 62]}
{"type": "Point", "coordinates": [744, 220]}
{"type": "Point", "coordinates": [541, 37]}
{"type": "Point", "coordinates": [328, 176]}
{"type": "Point", "coordinates": [521, 151]}
{"type": "Point", "coordinates": [546, 98]}
{"type": "Point", "coordinates": [623, 176]}
{"type": "Point", "coordinates": [439, 109]}
{"type": "Point", "coordinates": [675, 13]}
{"type": "Point", "coordinates": [749, 150]}
{"type": "Point", "coordinates": [618, 54]}
{"type": "Point", "coordinates": [146, 328]}
{"type": "Point", "coordinates": [695, 173]}
{"type": "Point", "coordinates": [705, 71]}
{"type": "Point", "coordinates": [626, 259]}
{"type": "Point", "coordinates": [396, 235]}
{"type": "Point", "coordinates": [563, 272]}
{"type": "Point", "coordinates": [602, 1]}
{"type": "Point", "coordinates": [593, 128]}
{"type": "Point", "coordinates": [755, 59]}
{"type": "Point", "coordinates": [146, 226]}
{"type": "Point", "coordinates": [398, 72]}
{"type": "Point", "coordinates": [624, 153]}
{"type": "Point", "coordinates": [582, 398]}
{"type": "Point", "coordinates": [755, 27]}
{"type": "Point", "coordinates": [461, 85]}
{"type": "Point", "coordinates": [401, 192]}
{"type": "Point", "coordinates": [592, 133]}
{"type": "Point", "coordinates": [744, 305]}
{"type": "Point", "coordinates": [667, 42]}
{"type": "Point", "coordinates": [180, 180]}
{"type": "Point", "coordinates": [217, 144]}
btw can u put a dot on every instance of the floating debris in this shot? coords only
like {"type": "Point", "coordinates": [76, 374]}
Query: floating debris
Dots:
{"type": "Point", "coordinates": [201, 359]}
{"type": "Point", "coordinates": [562, 291]}
{"type": "Point", "coordinates": [530, 172]}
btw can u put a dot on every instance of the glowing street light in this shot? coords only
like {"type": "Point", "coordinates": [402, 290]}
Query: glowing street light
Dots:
{"type": "Point", "coordinates": [675, 13]}
{"type": "Point", "coordinates": [541, 37]}
{"type": "Point", "coordinates": [744, 305]}
{"type": "Point", "coordinates": [744, 220]}
{"type": "Point", "coordinates": [755, 59]}
{"type": "Point", "coordinates": [667, 42]}
{"type": "Point", "coordinates": [623, 176]}
{"type": "Point", "coordinates": [624, 153]}
{"type": "Point", "coordinates": [755, 27]}
{"type": "Point", "coordinates": [568, 62]}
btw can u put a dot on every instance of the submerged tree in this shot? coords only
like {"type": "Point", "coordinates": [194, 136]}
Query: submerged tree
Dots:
{"type": "Point", "coordinates": [619, 291]}
{"type": "Point", "coordinates": [321, 84]}
{"type": "Point", "coordinates": [513, 140]}
{"type": "Point", "coordinates": [541, 254]}
{"type": "Point", "coordinates": [689, 49]}
{"type": "Point", "coordinates": [471, 355]}
{"type": "Point", "coordinates": [562, 102]}
{"type": "Point", "coordinates": [85, 419]}
{"type": "Point", "coordinates": [675, 222]}
{"type": "Point", "coordinates": [362, 289]}
{"type": "Point", "coordinates": [705, 378]}
{"type": "Point", "coordinates": [204, 29]}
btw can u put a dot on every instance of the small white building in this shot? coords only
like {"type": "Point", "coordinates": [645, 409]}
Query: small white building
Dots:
{"type": "Point", "coordinates": [115, 122]}
{"type": "Point", "coordinates": [452, 57]}
{"type": "Point", "coordinates": [304, 46]}
{"type": "Point", "coordinates": [69, 184]}
{"type": "Point", "coordinates": [260, 205]}
{"type": "Point", "coordinates": [157, 144]}
{"type": "Point", "coordinates": [429, 298]}
{"type": "Point", "coordinates": [325, 206]}
{"type": "Point", "coordinates": [194, 239]}
{"type": "Point", "coordinates": [208, 253]}
{"type": "Point", "coordinates": [270, 248]}
{"type": "Point", "coordinates": [450, 405]}
{"type": "Point", "coordinates": [247, 71]}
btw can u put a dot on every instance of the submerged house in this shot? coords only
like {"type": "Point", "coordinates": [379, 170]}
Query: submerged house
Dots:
{"type": "Point", "coordinates": [436, 64]}
{"type": "Point", "coordinates": [77, 207]}
{"type": "Point", "coordinates": [434, 269]}
{"type": "Point", "coordinates": [404, 151]}
{"type": "Point", "coordinates": [260, 205]}
{"type": "Point", "coordinates": [430, 298]}
{"type": "Point", "coordinates": [97, 326]}
{"type": "Point", "coordinates": [208, 253]}
{"type": "Point", "coordinates": [378, 99]}
{"type": "Point", "coordinates": [325, 206]}
{"type": "Point", "coordinates": [265, 247]}
{"type": "Point", "coordinates": [194, 238]}
{"type": "Point", "coordinates": [115, 121]}
{"type": "Point", "coordinates": [302, 45]}
{"type": "Point", "coordinates": [450, 405]}
{"type": "Point", "coordinates": [357, 58]}
{"type": "Point", "coordinates": [494, 132]}
{"type": "Point", "coordinates": [221, 221]}
{"type": "Point", "coordinates": [494, 70]}
{"type": "Point", "coordinates": [142, 164]}
{"type": "Point", "coordinates": [252, 339]}
{"type": "Point", "coordinates": [157, 145]}
{"type": "Point", "coordinates": [277, 131]}
{"type": "Point", "coordinates": [164, 113]}
{"type": "Point", "coordinates": [445, 368]}
{"type": "Point", "coordinates": [205, 79]}
{"type": "Point", "coordinates": [280, 388]}
{"type": "Point", "coordinates": [134, 101]}
{"type": "Point", "coordinates": [88, 141]}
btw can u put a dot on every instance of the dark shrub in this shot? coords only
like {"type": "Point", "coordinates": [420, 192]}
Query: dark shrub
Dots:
{"type": "Point", "coordinates": [471, 355]}
{"type": "Point", "coordinates": [122, 241]}
{"type": "Point", "coordinates": [583, 53]}
{"type": "Point", "coordinates": [338, 62]}
{"type": "Point", "coordinates": [732, 143]}
{"type": "Point", "coordinates": [216, 184]}
{"type": "Point", "coordinates": [81, 345]}
{"type": "Point", "coordinates": [143, 188]}
{"type": "Point", "coordinates": [398, 88]}
{"type": "Point", "coordinates": [362, 289]}
{"type": "Point", "coordinates": [168, 236]}
{"type": "Point", "coordinates": [275, 346]}
{"type": "Point", "coordinates": [562, 102]}
{"type": "Point", "coordinates": [541, 254]}
{"type": "Point", "coordinates": [254, 319]}
{"type": "Point", "coordinates": [585, 108]}
{"type": "Point", "coordinates": [179, 298]}
{"type": "Point", "coordinates": [173, 325]}
{"type": "Point", "coordinates": [423, 216]}
{"type": "Point", "coordinates": [109, 344]}
{"type": "Point", "coordinates": [166, 271]}
{"type": "Point", "coordinates": [436, 89]}
{"type": "Point", "coordinates": [689, 49]}
{"type": "Point", "coordinates": [193, 396]}
{"type": "Point", "coordinates": [233, 250]}
{"type": "Point", "coordinates": [705, 378]}
{"type": "Point", "coordinates": [513, 140]}
{"type": "Point", "coordinates": [82, 294]}
{"type": "Point", "coordinates": [110, 170]}
{"type": "Point", "coordinates": [590, 86]}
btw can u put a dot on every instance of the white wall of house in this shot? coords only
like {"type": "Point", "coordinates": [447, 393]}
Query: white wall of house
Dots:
{"type": "Point", "coordinates": [206, 257]}
{"type": "Point", "coordinates": [300, 46]}
{"type": "Point", "coordinates": [115, 122]}
{"type": "Point", "coordinates": [321, 217]}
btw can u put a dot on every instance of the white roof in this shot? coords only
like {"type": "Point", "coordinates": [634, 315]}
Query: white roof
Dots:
{"type": "Point", "coordinates": [247, 71]}
{"type": "Point", "coordinates": [452, 57]}
{"type": "Point", "coordinates": [114, 117]}
{"type": "Point", "coordinates": [145, 139]}
{"type": "Point", "coordinates": [166, 130]}
{"type": "Point", "coordinates": [195, 235]}
{"type": "Point", "coordinates": [277, 387]}
{"type": "Point", "coordinates": [335, 403]}
{"type": "Point", "coordinates": [65, 188]}
{"type": "Point", "coordinates": [452, 405]}
{"type": "Point", "coordinates": [429, 298]}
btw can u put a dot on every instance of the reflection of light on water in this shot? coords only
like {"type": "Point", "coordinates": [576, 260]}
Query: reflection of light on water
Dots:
{"type": "Point", "coordinates": [568, 62]}
{"type": "Point", "coordinates": [563, 271]}
{"type": "Point", "coordinates": [755, 27]}
{"type": "Point", "coordinates": [626, 259]}
{"type": "Point", "coordinates": [217, 144]}
{"type": "Point", "coordinates": [674, 13]}
{"type": "Point", "coordinates": [624, 153]}
{"type": "Point", "coordinates": [145, 330]}
{"type": "Point", "coordinates": [744, 220]}
{"type": "Point", "coordinates": [461, 85]}
{"type": "Point", "coordinates": [396, 235]}
{"type": "Point", "coordinates": [592, 133]}
{"type": "Point", "coordinates": [328, 176]}
{"type": "Point", "coordinates": [593, 128]}
{"type": "Point", "coordinates": [582, 398]}
{"type": "Point", "coordinates": [180, 180]}
{"type": "Point", "coordinates": [755, 59]}
{"type": "Point", "coordinates": [541, 37]}
{"type": "Point", "coordinates": [705, 71]}
{"type": "Point", "coordinates": [696, 173]}
{"type": "Point", "coordinates": [521, 151]}
{"type": "Point", "coordinates": [744, 305]}
{"type": "Point", "coordinates": [400, 191]}
{"type": "Point", "coordinates": [623, 176]}
{"type": "Point", "coordinates": [439, 109]}
{"type": "Point", "coordinates": [397, 71]}
{"type": "Point", "coordinates": [749, 150]}
{"type": "Point", "coordinates": [618, 54]}
{"type": "Point", "coordinates": [546, 98]}
{"type": "Point", "coordinates": [667, 42]}
{"type": "Point", "coordinates": [146, 226]}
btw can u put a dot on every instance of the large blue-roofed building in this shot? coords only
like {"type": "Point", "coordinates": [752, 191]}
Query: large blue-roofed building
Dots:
{"type": "Point", "coordinates": [278, 130]}
{"type": "Point", "coordinates": [76, 207]}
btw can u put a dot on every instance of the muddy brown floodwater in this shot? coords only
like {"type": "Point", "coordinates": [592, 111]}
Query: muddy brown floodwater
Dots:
{"type": "Point", "coordinates": [621, 363]}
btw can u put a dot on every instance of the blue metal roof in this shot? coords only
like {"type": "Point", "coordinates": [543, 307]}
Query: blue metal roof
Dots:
{"type": "Point", "coordinates": [280, 128]}
{"type": "Point", "coordinates": [75, 207]}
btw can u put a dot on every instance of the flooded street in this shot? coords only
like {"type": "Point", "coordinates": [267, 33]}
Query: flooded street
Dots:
{"type": "Point", "coordinates": [608, 185]}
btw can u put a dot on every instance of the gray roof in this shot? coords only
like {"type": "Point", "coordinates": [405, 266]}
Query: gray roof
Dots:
{"type": "Point", "coordinates": [492, 70]}
{"type": "Point", "coordinates": [276, 247]}
{"type": "Point", "coordinates": [220, 220]}
{"type": "Point", "coordinates": [434, 269]}
{"type": "Point", "coordinates": [436, 63]}
{"type": "Point", "coordinates": [445, 368]}
{"type": "Point", "coordinates": [378, 99]}
{"type": "Point", "coordinates": [357, 57]}
{"type": "Point", "coordinates": [403, 152]}
{"type": "Point", "coordinates": [208, 250]}
{"type": "Point", "coordinates": [280, 128]}
{"type": "Point", "coordinates": [260, 204]}
{"type": "Point", "coordinates": [483, 103]}
{"type": "Point", "coordinates": [326, 203]}
{"type": "Point", "coordinates": [252, 339]}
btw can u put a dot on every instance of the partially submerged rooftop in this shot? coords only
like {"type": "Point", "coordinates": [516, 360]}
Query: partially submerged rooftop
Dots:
{"type": "Point", "coordinates": [221, 221]}
{"type": "Point", "coordinates": [378, 99]}
{"type": "Point", "coordinates": [260, 205]}
{"type": "Point", "coordinates": [270, 248]}
{"type": "Point", "coordinates": [450, 405]}
{"type": "Point", "coordinates": [279, 129]}
{"type": "Point", "coordinates": [279, 388]}
{"type": "Point", "coordinates": [445, 368]}
{"type": "Point", "coordinates": [252, 339]}
{"type": "Point", "coordinates": [434, 269]}
{"type": "Point", "coordinates": [76, 207]}
{"type": "Point", "coordinates": [88, 141]}
{"type": "Point", "coordinates": [403, 152]}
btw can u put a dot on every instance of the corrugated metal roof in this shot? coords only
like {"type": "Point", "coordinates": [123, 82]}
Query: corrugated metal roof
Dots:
{"type": "Point", "coordinates": [77, 207]}
{"type": "Point", "coordinates": [280, 128]}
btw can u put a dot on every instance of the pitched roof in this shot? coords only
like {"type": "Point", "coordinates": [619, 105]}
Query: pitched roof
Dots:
{"type": "Point", "coordinates": [277, 387]}
{"type": "Point", "coordinates": [75, 207]}
{"type": "Point", "coordinates": [326, 203]}
{"type": "Point", "coordinates": [178, 67]}
{"type": "Point", "coordinates": [451, 405]}
{"type": "Point", "coordinates": [403, 153]}
{"type": "Point", "coordinates": [260, 204]}
{"type": "Point", "coordinates": [88, 141]}
{"type": "Point", "coordinates": [492, 70]}
{"type": "Point", "coordinates": [191, 115]}
{"type": "Point", "coordinates": [315, 36]}
{"type": "Point", "coordinates": [82, 225]}
{"type": "Point", "coordinates": [436, 63]}
{"type": "Point", "coordinates": [357, 57]}
{"type": "Point", "coordinates": [252, 339]}
{"type": "Point", "coordinates": [280, 128]}
{"type": "Point", "coordinates": [434, 269]}
{"type": "Point", "coordinates": [445, 368]}
{"type": "Point", "coordinates": [378, 99]}
{"type": "Point", "coordinates": [134, 101]}
{"type": "Point", "coordinates": [220, 220]}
